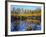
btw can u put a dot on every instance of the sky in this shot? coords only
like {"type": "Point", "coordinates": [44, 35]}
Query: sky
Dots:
{"type": "Point", "coordinates": [24, 7]}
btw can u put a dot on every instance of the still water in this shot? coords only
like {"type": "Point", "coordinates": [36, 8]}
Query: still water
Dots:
{"type": "Point", "coordinates": [22, 26]}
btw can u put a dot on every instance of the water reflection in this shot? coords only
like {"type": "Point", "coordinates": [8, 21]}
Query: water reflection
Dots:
{"type": "Point", "coordinates": [24, 24]}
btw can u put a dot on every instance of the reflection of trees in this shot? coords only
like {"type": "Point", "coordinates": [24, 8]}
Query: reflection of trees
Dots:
{"type": "Point", "coordinates": [22, 18]}
{"type": "Point", "coordinates": [28, 28]}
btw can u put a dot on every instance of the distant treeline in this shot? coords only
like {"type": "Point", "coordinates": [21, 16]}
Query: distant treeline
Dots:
{"type": "Point", "coordinates": [23, 11]}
